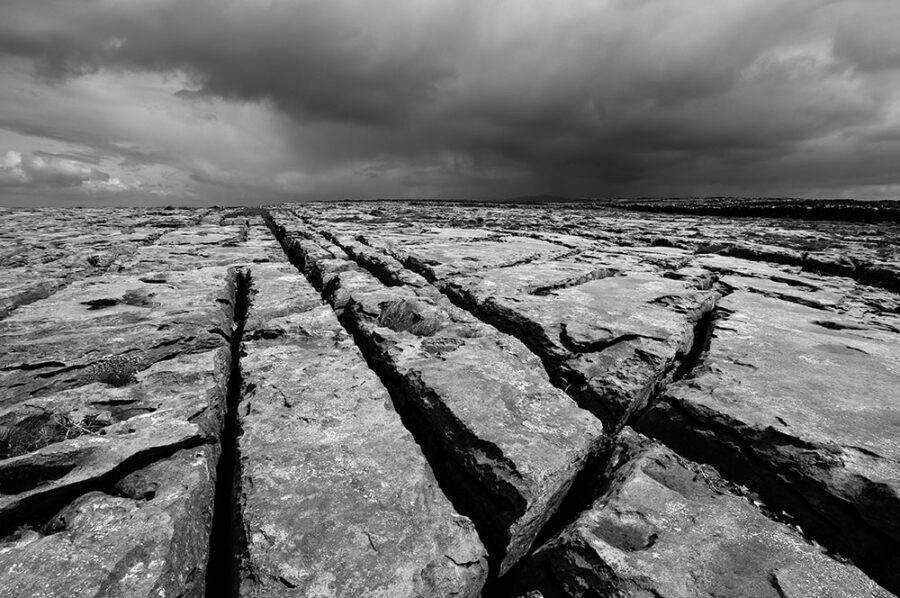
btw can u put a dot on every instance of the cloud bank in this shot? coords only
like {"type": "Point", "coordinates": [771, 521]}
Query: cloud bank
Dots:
{"type": "Point", "coordinates": [46, 170]}
{"type": "Point", "coordinates": [472, 98]}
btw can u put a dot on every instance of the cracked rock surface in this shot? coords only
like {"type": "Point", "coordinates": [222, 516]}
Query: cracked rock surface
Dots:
{"type": "Point", "coordinates": [336, 496]}
{"type": "Point", "coordinates": [662, 515]}
{"type": "Point", "coordinates": [418, 399]}
{"type": "Point", "coordinates": [477, 398]}
{"type": "Point", "coordinates": [780, 404]}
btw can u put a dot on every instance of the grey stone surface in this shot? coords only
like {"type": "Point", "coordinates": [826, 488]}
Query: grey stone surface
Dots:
{"type": "Point", "coordinates": [147, 536]}
{"type": "Point", "coordinates": [826, 462]}
{"type": "Point", "coordinates": [112, 403]}
{"type": "Point", "coordinates": [513, 444]}
{"type": "Point", "coordinates": [670, 528]}
{"type": "Point", "coordinates": [610, 326]}
{"type": "Point", "coordinates": [448, 409]}
{"type": "Point", "coordinates": [336, 496]}
{"type": "Point", "coordinates": [802, 404]}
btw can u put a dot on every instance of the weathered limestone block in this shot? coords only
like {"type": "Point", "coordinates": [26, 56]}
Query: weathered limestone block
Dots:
{"type": "Point", "coordinates": [511, 443]}
{"type": "Point", "coordinates": [146, 535]}
{"type": "Point", "coordinates": [60, 342]}
{"type": "Point", "coordinates": [670, 528]}
{"type": "Point", "coordinates": [444, 253]}
{"type": "Point", "coordinates": [85, 438]}
{"type": "Point", "coordinates": [801, 405]}
{"type": "Point", "coordinates": [384, 267]}
{"type": "Point", "coordinates": [780, 282]}
{"type": "Point", "coordinates": [611, 339]}
{"type": "Point", "coordinates": [41, 252]}
{"type": "Point", "coordinates": [610, 327]}
{"type": "Point", "coordinates": [191, 248]}
{"type": "Point", "coordinates": [17, 290]}
{"type": "Point", "coordinates": [336, 497]}
{"type": "Point", "coordinates": [74, 423]}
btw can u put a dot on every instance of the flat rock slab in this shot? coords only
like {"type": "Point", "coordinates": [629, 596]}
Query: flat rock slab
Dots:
{"type": "Point", "coordinates": [17, 290]}
{"type": "Point", "coordinates": [61, 341]}
{"type": "Point", "coordinates": [869, 307]}
{"type": "Point", "coordinates": [668, 527]}
{"type": "Point", "coordinates": [446, 259]}
{"type": "Point", "coordinates": [444, 252]}
{"type": "Point", "coordinates": [117, 328]}
{"type": "Point", "coordinates": [337, 498]}
{"type": "Point", "coordinates": [148, 537]}
{"type": "Point", "coordinates": [44, 250]}
{"type": "Point", "coordinates": [810, 399]}
{"type": "Point", "coordinates": [510, 441]}
{"type": "Point", "coordinates": [174, 404]}
{"type": "Point", "coordinates": [609, 325]}
{"type": "Point", "coordinates": [613, 339]}
{"type": "Point", "coordinates": [192, 248]}
{"type": "Point", "coordinates": [112, 373]}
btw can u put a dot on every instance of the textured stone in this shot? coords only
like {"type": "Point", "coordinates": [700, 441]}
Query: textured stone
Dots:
{"type": "Point", "coordinates": [613, 339]}
{"type": "Point", "coordinates": [111, 413]}
{"type": "Point", "coordinates": [668, 527]}
{"type": "Point", "coordinates": [511, 443]}
{"type": "Point", "coordinates": [337, 498]}
{"type": "Point", "coordinates": [149, 536]}
{"type": "Point", "coordinates": [801, 405]}
{"type": "Point", "coordinates": [488, 326]}
{"type": "Point", "coordinates": [102, 433]}
{"type": "Point", "coordinates": [45, 250]}
{"type": "Point", "coordinates": [611, 328]}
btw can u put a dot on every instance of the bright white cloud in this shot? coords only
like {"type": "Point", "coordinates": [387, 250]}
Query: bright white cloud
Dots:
{"type": "Point", "coordinates": [51, 171]}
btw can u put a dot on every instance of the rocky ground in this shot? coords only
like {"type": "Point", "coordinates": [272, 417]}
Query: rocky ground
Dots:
{"type": "Point", "coordinates": [419, 399]}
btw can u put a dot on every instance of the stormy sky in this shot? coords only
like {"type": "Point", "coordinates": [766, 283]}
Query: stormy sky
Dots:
{"type": "Point", "coordinates": [124, 102]}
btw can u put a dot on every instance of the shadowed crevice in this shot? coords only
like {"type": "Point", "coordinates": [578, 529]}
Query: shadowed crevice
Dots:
{"type": "Point", "coordinates": [227, 544]}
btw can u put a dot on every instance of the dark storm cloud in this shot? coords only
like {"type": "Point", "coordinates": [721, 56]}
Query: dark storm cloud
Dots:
{"type": "Point", "coordinates": [868, 37]}
{"type": "Point", "coordinates": [317, 60]}
{"type": "Point", "coordinates": [581, 97]}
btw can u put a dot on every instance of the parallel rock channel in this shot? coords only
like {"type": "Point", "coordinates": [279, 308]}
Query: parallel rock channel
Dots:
{"type": "Point", "coordinates": [226, 541]}
{"type": "Point", "coordinates": [508, 479]}
{"type": "Point", "coordinates": [353, 399]}
{"type": "Point", "coordinates": [112, 440]}
{"type": "Point", "coordinates": [635, 407]}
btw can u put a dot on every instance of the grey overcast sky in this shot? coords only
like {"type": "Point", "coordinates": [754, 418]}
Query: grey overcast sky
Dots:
{"type": "Point", "coordinates": [124, 102]}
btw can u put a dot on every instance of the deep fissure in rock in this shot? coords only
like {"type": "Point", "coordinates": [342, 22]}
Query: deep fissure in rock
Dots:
{"type": "Point", "coordinates": [226, 543]}
{"type": "Point", "coordinates": [719, 443]}
{"type": "Point", "coordinates": [37, 510]}
{"type": "Point", "coordinates": [457, 485]}
{"type": "Point", "coordinates": [490, 509]}
{"type": "Point", "coordinates": [466, 493]}
{"type": "Point", "coordinates": [590, 483]}
{"type": "Point", "coordinates": [716, 442]}
{"type": "Point", "coordinates": [563, 377]}
{"type": "Point", "coordinates": [704, 442]}
{"type": "Point", "coordinates": [595, 479]}
{"type": "Point", "coordinates": [703, 334]}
